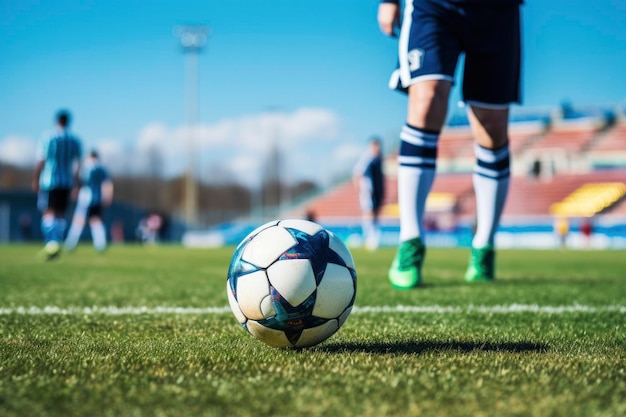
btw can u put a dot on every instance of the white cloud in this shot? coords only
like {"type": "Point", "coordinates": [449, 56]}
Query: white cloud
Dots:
{"type": "Point", "coordinates": [250, 131]}
{"type": "Point", "coordinates": [347, 153]}
{"type": "Point", "coordinates": [243, 165]}
{"type": "Point", "coordinates": [109, 149]}
{"type": "Point", "coordinates": [240, 144]}
{"type": "Point", "coordinates": [113, 154]}
{"type": "Point", "coordinates": [18, 150]}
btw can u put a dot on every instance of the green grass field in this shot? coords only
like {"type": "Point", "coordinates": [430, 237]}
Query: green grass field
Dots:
{"type": "Point", "coordinates": [547, 339]}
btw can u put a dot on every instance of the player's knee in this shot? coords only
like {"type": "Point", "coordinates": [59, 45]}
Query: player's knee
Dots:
{"type": "Point", "coordinates": [428, 104]}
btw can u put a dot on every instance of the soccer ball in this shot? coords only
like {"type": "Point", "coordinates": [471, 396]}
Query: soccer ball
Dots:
{"type": "Point", "coordinates": [291, 283]}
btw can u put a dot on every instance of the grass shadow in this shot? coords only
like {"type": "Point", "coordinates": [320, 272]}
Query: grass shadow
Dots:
{"type": "Point", "coordinates": [439, 283]}
{"type": "Point", "coordinates": [420, 347]}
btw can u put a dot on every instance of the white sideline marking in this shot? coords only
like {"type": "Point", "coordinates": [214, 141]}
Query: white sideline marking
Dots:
{"type": "Point", "coordinates": [497, 309]}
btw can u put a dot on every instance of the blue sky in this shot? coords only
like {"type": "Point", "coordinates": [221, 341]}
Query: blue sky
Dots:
{"type": "Point", "coordinates": [311, 76]}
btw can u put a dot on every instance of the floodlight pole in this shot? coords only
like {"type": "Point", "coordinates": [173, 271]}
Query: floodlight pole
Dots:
{"type": "Point", "coordinates": [192, 39]}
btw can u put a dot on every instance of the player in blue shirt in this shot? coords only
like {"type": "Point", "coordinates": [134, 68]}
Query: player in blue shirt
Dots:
{"type": "Point", "coordinates": [58, 161]}
{"type": "Point", "coordinates": [369, 178]}
{"type": "Point", "coordinates": [433, 34]}
{"type": "Point", "coordinates": [95, 194]}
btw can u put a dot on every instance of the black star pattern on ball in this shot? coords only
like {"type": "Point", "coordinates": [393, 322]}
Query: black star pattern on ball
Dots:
{"type": "Point", "coordinates": [314, 248]}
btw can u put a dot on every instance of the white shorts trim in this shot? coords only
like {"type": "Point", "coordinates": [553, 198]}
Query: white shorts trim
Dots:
{"type": "Point", "coordinates": [490, 106]}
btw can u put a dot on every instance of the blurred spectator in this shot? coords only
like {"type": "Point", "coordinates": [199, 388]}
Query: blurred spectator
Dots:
{"type": "Point", "coordinates": [149, 228]}
{"type": "Point", "coordinates": [561, 228]}
{"type": "Point", "coordinates": [117, 232]}
{"type": "Point", "coordinates": [586, 229]}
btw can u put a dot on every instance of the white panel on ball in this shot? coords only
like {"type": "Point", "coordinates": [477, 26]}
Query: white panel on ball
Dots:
{"type": "Point", "coordinates": [317, 334]}
{"type": "Point", "coordinates": [234, 306]}
{"type": "Point", "coordinates": [293, 279]}
{"type": "Point", "coordinates": [306, 226]}
{"type": "Point", "coordinates": [271, 337]}
{"type": "Point", "coordinates": [258, 229]}
{"type": "Point", "coordinates": [334, 292]}
{"type": "Point", "coordinates": [251, 290]}
{"type": "Point", "coordinates": [268, 245]}
{"type": "Point", "coordinates": [340, 248]}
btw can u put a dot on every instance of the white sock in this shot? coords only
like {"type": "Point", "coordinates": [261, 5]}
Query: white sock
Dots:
{"type": "Point", "coordinates": [416, 173]}
{"type": "Point", "coordinates": [491, 185]}
{"type": "Point", "coordinates": [98, 235]}
{"type": "Point", "coordinates": [74, 234]}
{"type": "Point", "coordinates": [367, 225]}
{"type": "Point", "coordinates": [47, 227]}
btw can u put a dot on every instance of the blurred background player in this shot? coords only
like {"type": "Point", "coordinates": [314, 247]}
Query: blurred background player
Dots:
{"type": "Point", "coordinates": [58, 161]}
{"type": "Point", "coordinates": [369, 177]}
{"type": "Point", "coordinates": [95, 194]}
{"type": "Point", "coordinates": [433, 34]}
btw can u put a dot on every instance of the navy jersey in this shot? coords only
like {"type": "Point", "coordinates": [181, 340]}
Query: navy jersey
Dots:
{"type": "Point", "coordinates": [93, 176]}
{"type": "Point", "coordinates": [369, 169]}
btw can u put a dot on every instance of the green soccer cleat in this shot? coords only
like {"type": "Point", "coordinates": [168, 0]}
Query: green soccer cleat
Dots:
{"type": "Point", "coordinates": [406, 268]}
{"type": "Point", "coordinates": [481, 267]}
{"type": "Point", "coordinates": [51, 250]}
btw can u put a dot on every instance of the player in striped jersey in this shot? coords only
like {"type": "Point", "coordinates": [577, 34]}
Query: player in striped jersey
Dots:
{"type": "Point", "coordinates": [95, 194]}
{"type": "Point", "coordinates": [58, 161]}
{"type": "Point", "coordinates": [433, 34]}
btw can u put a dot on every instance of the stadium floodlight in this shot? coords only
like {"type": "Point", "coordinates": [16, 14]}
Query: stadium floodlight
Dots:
{"type": "Point", "coordinates": [192, 38]}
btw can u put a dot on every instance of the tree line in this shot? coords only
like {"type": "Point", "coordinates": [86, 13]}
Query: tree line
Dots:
{"type": "Point", "coordinates": [217, 202]}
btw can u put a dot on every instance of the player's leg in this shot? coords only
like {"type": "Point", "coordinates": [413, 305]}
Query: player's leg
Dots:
{"type": "Point", "coordinates": [81, 213]}
{"type": "Point", "coordinates": [98, 233]}
{"type": "Point", "coordinates": [491, 84]}
{"type": "Point", "coordinates": [47, 215]}
{"type": "Point", "coordinates": [428, 54]}
{"type": "Point", "coordinates": [428, 104]}
{"type": "Point", "coordinates": [366, 205]}
{"type": "Point", "coordinates": [491, 184]}
{"type": "Point", "coordinates": [371, 229]}
{"type": "Point", "coordinates": [367, 228]}
{"type": "Point", "coordinates": [51, 244]}
{"type": "Point", "coordinates": [374, 238]}
{"type": "Point", "coordinates": [76, 229]}
{"type": "Point", "coordinates": [53, 222]}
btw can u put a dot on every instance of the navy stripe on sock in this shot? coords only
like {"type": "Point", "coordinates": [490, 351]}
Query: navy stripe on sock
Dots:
{"type": "Point", "coordinates": [499, 165]}
{"type": "Point", "coordinates": [492, 163]}
{"type": "Point", "coordinates": [409, 149]}
{"type": "Point", "coordinates": [426, 165]}
{"type": "Point", "coordinates": [418, 148]}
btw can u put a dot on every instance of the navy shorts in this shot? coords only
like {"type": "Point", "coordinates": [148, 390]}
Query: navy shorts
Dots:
{"type": "Point", "coordinates": [436, 32]}
{"type": "Point", "coordinates": [56, 199]}
{"type": "Point", "coordinates": [94, 211]}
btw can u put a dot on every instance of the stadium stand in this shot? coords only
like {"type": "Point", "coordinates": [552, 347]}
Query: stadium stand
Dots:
{"type": "Point", "coordinates": [568, 138]}
{"type": "Point", "coordinates": [612, 140]}
{"type": "Point", "coordinates": [527, 196]}
{"type": "Point", "coordinates": [524, 133]}
{"type": "Point", "coordinates": [455, 142]}
{"type": "Point", "coordinates": [589, 199]}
